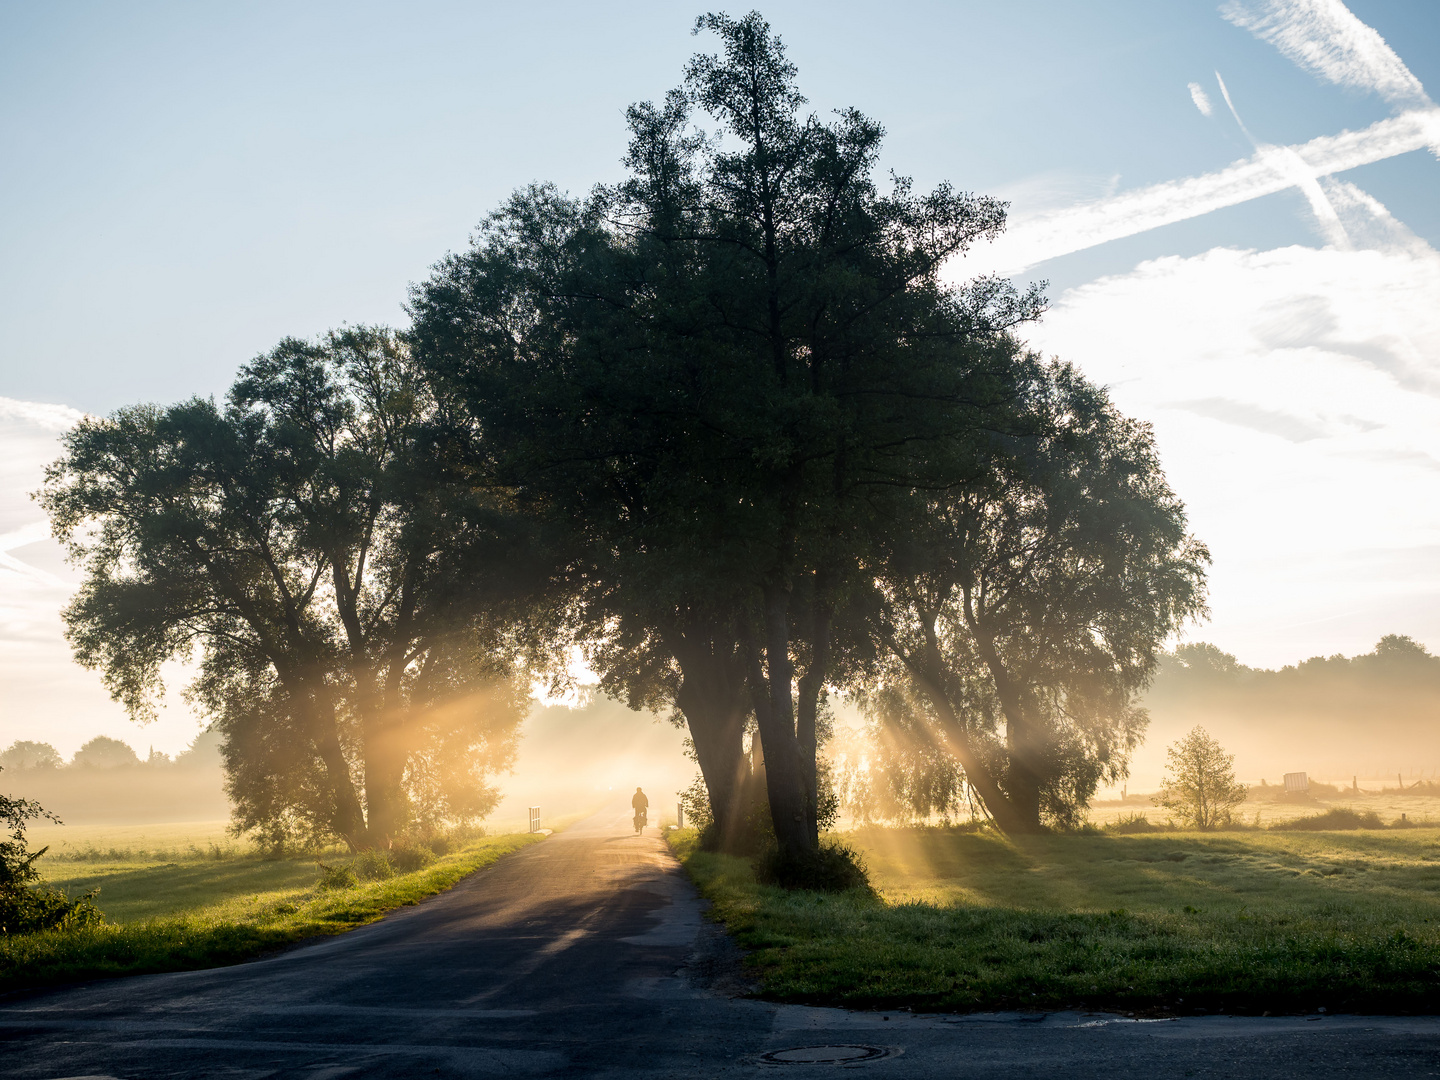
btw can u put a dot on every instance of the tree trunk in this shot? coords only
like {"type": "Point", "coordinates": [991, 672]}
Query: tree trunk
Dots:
{"type": "Point", "coordinates": [1002, 809]}
{"type": "Point", "coordinates": [384, 775]}
{"type": "Point", "coordinates": [349, 820]}
{"type": "Point", "coordinates": [775, 717]}
{"type": "Point", "coordinates": [712, 698]}
{"type": "Point", "coordinates": [808, 707]}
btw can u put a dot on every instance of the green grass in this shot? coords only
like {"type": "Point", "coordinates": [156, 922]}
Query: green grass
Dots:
{"type": "Point", "coordinates": [1246, 922]}
{"type": "Point", "coordinates": [202, 911]}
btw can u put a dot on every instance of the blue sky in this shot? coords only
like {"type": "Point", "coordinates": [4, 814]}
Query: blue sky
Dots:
{"type": "Point", "coordinates": [184, 184]}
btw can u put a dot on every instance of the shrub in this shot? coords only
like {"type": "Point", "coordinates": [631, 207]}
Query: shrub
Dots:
{"type": "Point", "coordinates": [26, 911]}
{"type": "Point", "coordinates": [1133, 823]}
{"type": "Point", "coordinates": [339, 876]}
{"type": "Point", "coordinates": [26, 905]}
{"type": "Point", "coordinates": [373, 866]}
{"type": "Point", "coordinates": [407, 858]}
{"type": "Point", "coordinates": [835, 867]}
{"type": "Point", "coordinates": [1339, 817]}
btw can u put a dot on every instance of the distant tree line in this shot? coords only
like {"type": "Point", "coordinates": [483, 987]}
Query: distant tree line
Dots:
{"type": "Point", "coordinates": [103, 752]}
{"type": "Point", "coordinates": [723, 427]}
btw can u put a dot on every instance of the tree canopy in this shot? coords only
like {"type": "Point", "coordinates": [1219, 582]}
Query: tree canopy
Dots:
{"type": "Point", "coordinates": [342, 589]}
{"type": "Point", "coordinates": [715, 370]}
{"type": "Point", "coordinates": [727, 425]}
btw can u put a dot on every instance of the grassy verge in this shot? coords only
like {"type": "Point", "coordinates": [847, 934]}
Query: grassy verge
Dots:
{"type": "Point", "coordinates": [205, 912]}
{"type": "Point", "coordinates": [1182, 922]}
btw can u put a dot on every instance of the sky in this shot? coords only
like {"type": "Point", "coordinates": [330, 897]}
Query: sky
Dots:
{"type": "Point", "coordinates": [1234, 207]}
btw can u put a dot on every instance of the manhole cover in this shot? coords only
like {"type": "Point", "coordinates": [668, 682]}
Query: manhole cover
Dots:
{"type": "Point", "coordinates": [824, 1055]}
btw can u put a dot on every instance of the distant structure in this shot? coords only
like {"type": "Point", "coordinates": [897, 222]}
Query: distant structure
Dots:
{"type": "Point", "coordinates": [1297, 781]}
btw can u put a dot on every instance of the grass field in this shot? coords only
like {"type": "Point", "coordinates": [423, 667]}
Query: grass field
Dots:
{"type": "Point", "coordinates": [1176, 922]}
{"type": "Point", "coordinates": [169, 908]}
{"type": "Point", "coordinates": [1265, 810]}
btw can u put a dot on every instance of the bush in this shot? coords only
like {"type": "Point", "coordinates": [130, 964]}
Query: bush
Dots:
{"type": "Point", "coordinates": [373, 866]}
{"type": "Point", "coordinates": [1134, 823]}
{"type": "Point", "coordinates": [26, 904]}
{"type": "Point", "coordinates": [835, 867]}
{"type": "Point", "coordinates": [26, 911]}
{"type": "Point", "coordinates": [336, 877]}
{"type": "Point", "coordinates": [1339, 817]}
{"type": "Point", "coordinates": [407, 858]}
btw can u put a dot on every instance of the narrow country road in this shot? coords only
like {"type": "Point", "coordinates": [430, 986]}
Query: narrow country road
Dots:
{"type": "Point", "coordinates": [587, 956]}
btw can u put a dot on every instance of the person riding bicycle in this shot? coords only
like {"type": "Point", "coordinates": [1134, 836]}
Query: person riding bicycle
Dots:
{"type": "Point", "coordinates": [641, 804]}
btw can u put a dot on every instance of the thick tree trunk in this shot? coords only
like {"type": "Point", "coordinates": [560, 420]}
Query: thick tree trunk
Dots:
{"type": "Point", "coordinates": [807, 710]}
{"type": "Point", "coordinates": [712, 698]}
{"type": "Point", "coordinates": [775, 718]}
{"type": "Point", "coordinates": [384, 775]}
{"type": "Point", "coordinates": [349, 819]}
{"type": "Point", "coordinates": [1002, 808]}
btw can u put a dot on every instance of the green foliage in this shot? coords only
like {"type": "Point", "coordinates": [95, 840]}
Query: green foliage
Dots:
{"type": "Point", "coordinates": [833, 867]}
{"type": "Point", "coordinates": [26, 904]}
{"type": "Point", "coordinates": [337, 876]}
{"type": "Point", "coordinates": [713, 377]}
{"type": "Point", "coordinates": [1199, 783]}
{"type": "Point", "coordinates": [1024, 611]}
{"type": "Point", "coordinates": [354, 603]}
{"type": "Point", "coordinates": [695, 801]}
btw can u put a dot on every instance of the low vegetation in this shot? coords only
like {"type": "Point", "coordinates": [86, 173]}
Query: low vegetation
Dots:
{"type": "Point", "coordinates": [1261, 921]}
{"type": "Point", "coordinates": [199, 910]}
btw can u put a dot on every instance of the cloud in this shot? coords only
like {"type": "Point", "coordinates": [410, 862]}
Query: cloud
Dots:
{"type": "Point", "coordinates": [1268, 421]}
{"type": "Point", "coordinates": [38, 414]}
{"type": "Point", "coordinates": [1321, 35]}
{"type": "Point", "coordinates": [1201, 99]}
{"type": "Point", "coordinates": [1295, 397]}
{"type": "Point", "coordinates": [1325, 38]}
{"type": "Point", "coordinates": [1036, 237]}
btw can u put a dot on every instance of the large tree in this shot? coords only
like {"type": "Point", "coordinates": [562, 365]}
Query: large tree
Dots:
{"type": "Point", "coordinates": [712, 370]}
{"type": "Point", "coordinates": [352, 599]}
{"type": "Point", "coordinates": [1025, 609]}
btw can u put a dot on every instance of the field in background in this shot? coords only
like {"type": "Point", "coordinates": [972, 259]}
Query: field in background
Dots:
{"type": "Point", "coordinates": [182, 839]}
{"type": "Point", "coordinates": [1263, 807]}
{"type": "Point", "coordinates": [1159, 924]}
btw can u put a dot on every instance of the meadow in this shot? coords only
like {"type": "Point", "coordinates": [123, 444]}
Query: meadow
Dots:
{"type": "Point", "coordinates": [1155, 924]}
{"type": "Point", "coordinates": [186, 896]}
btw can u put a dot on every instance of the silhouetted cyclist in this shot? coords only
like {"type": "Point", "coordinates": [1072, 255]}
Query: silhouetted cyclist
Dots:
{"type": "Point", "coordinates": [641, 804]}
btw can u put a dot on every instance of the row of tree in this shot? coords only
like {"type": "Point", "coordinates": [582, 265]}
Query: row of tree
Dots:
{"type": "Point", "coordinates": [103, 752]}
{"type": "Point", "coordinates": [721, 426]}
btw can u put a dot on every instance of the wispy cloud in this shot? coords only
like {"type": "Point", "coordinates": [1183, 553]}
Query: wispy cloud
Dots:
{"type": "Point", "coordinates": [1201, 99]}
{"type": "Point", "coordinates": [1049, 235]}
{"type": "Point", "coordinates": [1295, 395]}
{"type": "Point", "coordinates": [1268, 421]}
{"type": "Point", "coordinates": [1325, 38]}
{"type": "Point", "coordinates": [1322, 36]}
{"type": "Point", "coordinates": [39, 414]}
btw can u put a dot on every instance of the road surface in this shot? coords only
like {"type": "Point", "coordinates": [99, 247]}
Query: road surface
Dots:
{"type": "Point", "coordinates": [587, 956]}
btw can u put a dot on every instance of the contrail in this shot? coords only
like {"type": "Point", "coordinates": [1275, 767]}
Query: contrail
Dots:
{"type": "Point", "coordinates": [1060, 232]}
{"type": "Point", "coordinates": [1321, 36]}
{"type": "Point", "coordinates": [1325, 38]}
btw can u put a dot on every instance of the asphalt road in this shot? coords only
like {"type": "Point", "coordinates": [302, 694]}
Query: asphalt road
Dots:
{"type": "Point", "coordinates": [586, 955]}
